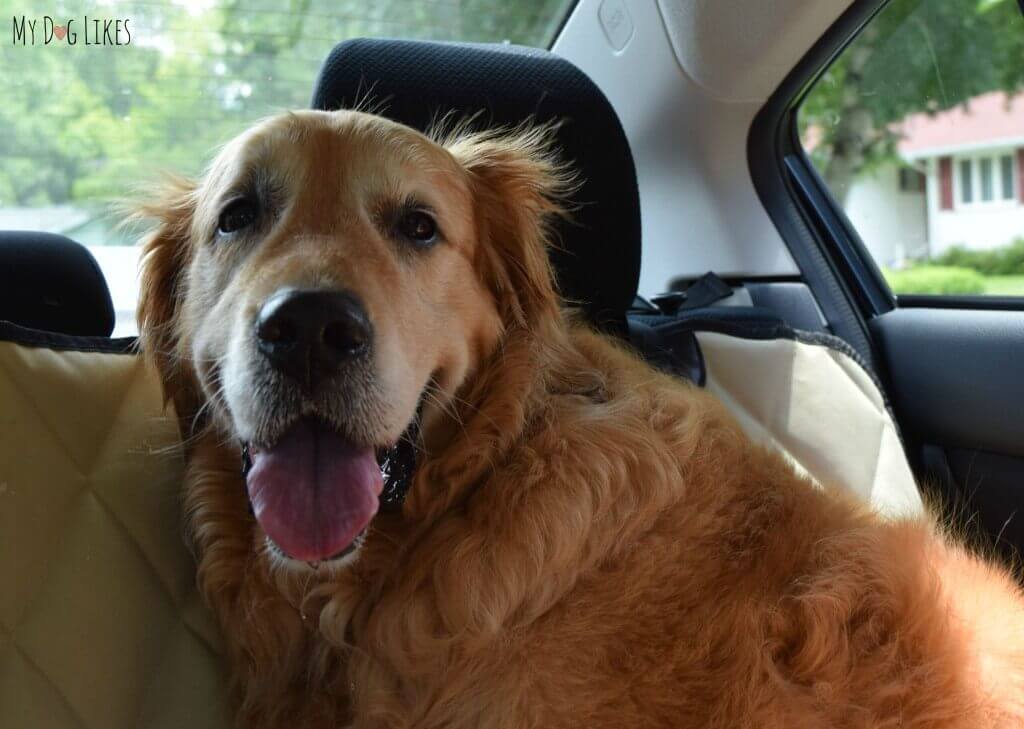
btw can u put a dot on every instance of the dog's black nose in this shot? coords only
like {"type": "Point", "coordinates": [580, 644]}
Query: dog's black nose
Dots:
{"type": "Point", "coordinates": [309, 335]}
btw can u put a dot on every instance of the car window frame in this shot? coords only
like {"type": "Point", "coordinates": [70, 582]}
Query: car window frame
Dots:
{"type": "Point", "coordinates": [804, 211]}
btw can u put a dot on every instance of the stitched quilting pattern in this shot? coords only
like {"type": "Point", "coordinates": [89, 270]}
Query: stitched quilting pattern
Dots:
{"type": "Point", "coordinates": [100, 623]}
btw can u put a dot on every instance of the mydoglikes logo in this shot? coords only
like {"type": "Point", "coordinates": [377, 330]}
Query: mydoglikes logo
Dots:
{"type": "Point", "coordinates": [26, 31]}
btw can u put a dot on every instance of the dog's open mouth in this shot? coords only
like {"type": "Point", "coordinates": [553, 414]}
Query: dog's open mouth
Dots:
{"type": "Point", "coordinates": [313, 492]}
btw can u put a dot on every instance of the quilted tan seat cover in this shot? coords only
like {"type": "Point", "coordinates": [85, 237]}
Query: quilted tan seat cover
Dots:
{"type": "Point", "coordinates": [100, 623]}
{"type": "Point", "coordinates": [101, 626]}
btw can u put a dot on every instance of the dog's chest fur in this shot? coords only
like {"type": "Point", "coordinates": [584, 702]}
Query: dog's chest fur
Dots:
{"type": "Point", "coordinates": [623, 560]}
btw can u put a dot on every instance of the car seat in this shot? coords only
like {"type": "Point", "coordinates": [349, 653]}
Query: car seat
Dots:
{"type": "Point", "coordinates": [49, 282]}
{"type": "Point", "coordinates": [100, 623]}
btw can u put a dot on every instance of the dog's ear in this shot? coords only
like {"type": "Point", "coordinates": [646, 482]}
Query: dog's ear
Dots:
{"type": "Point", "coordinates": [165, 253]}
{"type": "Point", "coordinates": [519, 188]}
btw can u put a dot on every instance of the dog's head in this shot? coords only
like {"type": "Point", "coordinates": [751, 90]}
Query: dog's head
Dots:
{"type": "Point", "coordinates": [330, 273]}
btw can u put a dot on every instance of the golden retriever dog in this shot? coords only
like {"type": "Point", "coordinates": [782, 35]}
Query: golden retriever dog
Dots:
{"type": "Point", "coordinates": [585, 542]}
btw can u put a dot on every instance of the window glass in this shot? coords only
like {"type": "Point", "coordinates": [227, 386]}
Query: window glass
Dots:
{"type": "Point", "coordinates": [911, 180]}
{"type": "Point", "coordinates": [986, 179]}
{"type": "Point", "coordinates": [1006, 172]}
{"type": "Point", "coordinates": [936, 86]}
{"type": "Point", "coordinates": [100, 97]}
{"type": "Point", "coordinates": [966, 181]}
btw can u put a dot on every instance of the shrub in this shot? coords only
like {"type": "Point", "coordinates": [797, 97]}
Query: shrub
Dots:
{"type": "Point", "coordinates": [936, 280]}
{"type": "Point", "coordinates": [1013, 258]}
{"type": "Point", "coordinates": [1005, 261]}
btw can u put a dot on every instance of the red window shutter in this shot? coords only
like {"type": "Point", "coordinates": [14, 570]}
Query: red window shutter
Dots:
{"type": "Point", "coordinates": [946, 183]}
{"type": "Point", "coordinates": [1020, 174]}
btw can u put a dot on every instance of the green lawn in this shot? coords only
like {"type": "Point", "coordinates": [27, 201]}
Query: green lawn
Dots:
{"type": "Point", "coordinates": [1004, 285]}
{"type": "Point", "coordinates": [934, 280]}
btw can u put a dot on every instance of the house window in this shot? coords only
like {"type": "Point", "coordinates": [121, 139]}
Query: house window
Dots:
{"type": "Point", "coordinates": [1006, 172]}
{"type": "Point", "coordinates": [966, 181]}
{"type": "Point", "coordinates": [911, 180]}
{"type": "Point", "coordinates": [987, 179]}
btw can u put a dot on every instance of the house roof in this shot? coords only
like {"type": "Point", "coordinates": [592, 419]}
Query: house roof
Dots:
{"type": "Point", "coordinates": [989, 120]}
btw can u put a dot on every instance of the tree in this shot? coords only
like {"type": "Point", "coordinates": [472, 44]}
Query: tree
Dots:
{"type": "Point", "coordinates": [86, 124]}
{"type": "Point", "coordinates": [915, 56]}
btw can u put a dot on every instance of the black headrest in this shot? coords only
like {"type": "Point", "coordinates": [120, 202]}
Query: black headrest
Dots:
{"type": "Point", "coordinates": [416, 83]}
{"type": "Point", "coordinates": [50, 282]}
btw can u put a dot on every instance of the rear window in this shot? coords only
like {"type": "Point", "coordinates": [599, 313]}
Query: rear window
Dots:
{"type": "Point", "coordinates": [102, 98]}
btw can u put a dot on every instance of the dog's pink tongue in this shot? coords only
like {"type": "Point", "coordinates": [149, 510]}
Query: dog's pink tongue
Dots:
{"type": "Point", "coordinates": [313, 492]}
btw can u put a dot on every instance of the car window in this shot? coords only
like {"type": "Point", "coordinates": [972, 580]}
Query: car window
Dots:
{"type": "Point", "coordinates": [918, 131]}
{"type": "Point", "coordinates": [99, 101]}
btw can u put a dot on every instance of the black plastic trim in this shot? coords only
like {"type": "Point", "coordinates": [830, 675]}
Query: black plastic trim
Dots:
{"type": "Point", "coordinates": [679, 283]}
{"type": "Point", "coordinates": [946, 301]}
{"type": "Point", "coordinates": [771, 139]}
{"type": "Point", "coordinates": [840, 237]}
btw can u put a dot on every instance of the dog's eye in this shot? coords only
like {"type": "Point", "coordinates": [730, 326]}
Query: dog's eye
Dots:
{"type": "Point", "coordinates": [239, 214]}
{"type": "Point", "coordinates": [418, 226]}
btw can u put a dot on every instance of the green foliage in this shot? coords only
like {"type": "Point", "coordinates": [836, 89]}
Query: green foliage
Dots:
{"type": "Point", "coordinates": [915, 56]}
{"type": "Point", "coordinates": [936, 280]}
{"type": "Point", "coordinates": [1005, 261]}
{"type": "Point", "coordinates": [86, 124]}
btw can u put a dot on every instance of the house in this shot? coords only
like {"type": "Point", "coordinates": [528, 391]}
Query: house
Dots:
{"type": "Point", "coordinates": [962, 184]}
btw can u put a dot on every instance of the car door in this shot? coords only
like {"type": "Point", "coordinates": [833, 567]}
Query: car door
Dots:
{"type": "Point", "coordinates": [891, 160]}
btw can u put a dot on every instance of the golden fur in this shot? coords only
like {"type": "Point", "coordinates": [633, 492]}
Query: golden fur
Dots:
{"type": "Point", "coordinates": [587, 542]}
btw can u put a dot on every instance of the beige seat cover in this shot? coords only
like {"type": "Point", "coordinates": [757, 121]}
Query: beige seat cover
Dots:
{"type": "Point", "coordinates": [100, 623]}
{"type": "Point", "coordinates": [101, 626]}
{"type": "Point", "coordinates": [820, 408]}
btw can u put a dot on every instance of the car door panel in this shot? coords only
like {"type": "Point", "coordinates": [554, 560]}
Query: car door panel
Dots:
{"type": "Point", "coordinates": [956, 375]}
{"type": "Point", "coordinates": [956, 379]}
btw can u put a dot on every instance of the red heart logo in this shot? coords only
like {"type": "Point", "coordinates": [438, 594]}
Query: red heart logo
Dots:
{"type": "Point", "coordinates": [60, 31]}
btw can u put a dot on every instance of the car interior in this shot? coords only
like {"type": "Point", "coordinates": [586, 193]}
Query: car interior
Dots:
{"type": "Point", "coordinates": [702, 235]}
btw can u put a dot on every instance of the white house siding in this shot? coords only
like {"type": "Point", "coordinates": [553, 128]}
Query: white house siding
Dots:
{"type": "Point", "coordinates": [976, 227]}
{"type": "Point", "coordinates": [891, 222]}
